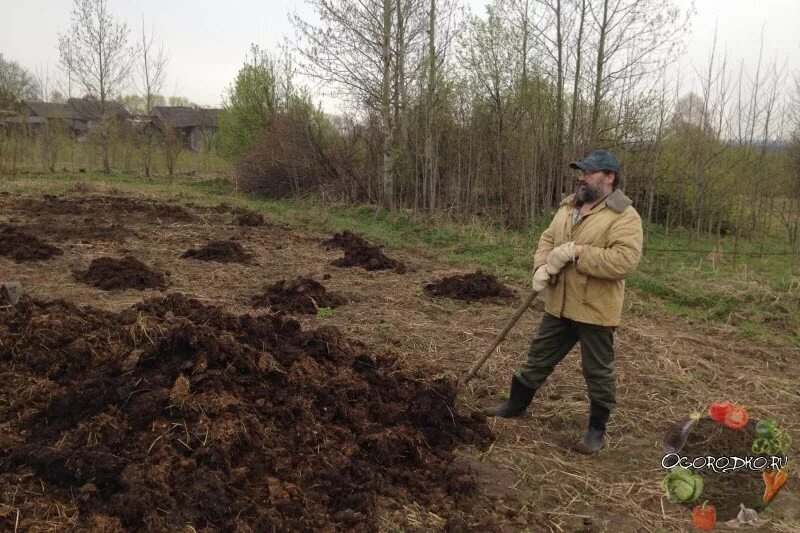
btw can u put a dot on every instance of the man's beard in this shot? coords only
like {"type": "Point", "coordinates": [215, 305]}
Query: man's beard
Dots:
{"type": "Point", "coordinates": [586, 194]}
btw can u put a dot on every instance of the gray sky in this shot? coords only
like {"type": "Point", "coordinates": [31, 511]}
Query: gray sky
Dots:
{"type": "Point", "coordinates": [207, 40]}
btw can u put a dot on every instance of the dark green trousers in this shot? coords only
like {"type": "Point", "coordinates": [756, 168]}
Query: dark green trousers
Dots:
{"type": "Point", "coordinates": [555, 338]}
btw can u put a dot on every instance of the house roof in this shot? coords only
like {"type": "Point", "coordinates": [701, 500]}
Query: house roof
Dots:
{"type": "Point", "coordinates": [89, 109]}
{"type": "Point", "coordinates": [49, 110]}
{"type": "Point", "coordinates": [187, 117]}
{"type": "Point", "coordinates": [23, 120]}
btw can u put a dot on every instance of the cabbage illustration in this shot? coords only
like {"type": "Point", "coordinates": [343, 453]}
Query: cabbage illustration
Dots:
{"type": "Point", "coordinates": [682, 486]}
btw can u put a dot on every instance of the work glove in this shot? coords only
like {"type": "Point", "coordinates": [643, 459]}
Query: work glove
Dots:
{"type": "Point", "coordinates": [559, 257]}
{"type": "Point", "coordinates": [540, 279]}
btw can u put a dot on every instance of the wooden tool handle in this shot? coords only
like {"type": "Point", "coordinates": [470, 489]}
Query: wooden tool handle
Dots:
{"type": "Point", "coordinates": [502, 335]}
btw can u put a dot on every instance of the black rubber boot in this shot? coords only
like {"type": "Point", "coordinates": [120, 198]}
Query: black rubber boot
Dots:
{"type": "Point", "coordinates": [518, 401]}
{"type": "Point", "coordinates": [592, 442]}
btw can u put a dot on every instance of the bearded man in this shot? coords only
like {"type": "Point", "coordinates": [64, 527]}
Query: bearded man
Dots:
{"type": "Point", "coordinates": [592, 244]}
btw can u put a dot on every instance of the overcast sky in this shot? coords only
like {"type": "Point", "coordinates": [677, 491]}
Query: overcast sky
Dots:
{"type": "Point", "coordinates": [207, 40]}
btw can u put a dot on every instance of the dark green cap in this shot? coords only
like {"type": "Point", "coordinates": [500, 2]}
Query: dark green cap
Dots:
{"type": "Point", "coordinates": [597, 160]}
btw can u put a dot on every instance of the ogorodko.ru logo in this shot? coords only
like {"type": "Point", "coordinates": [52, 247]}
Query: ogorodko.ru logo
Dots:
{"type": "Point", "coordinates": [724, 465]}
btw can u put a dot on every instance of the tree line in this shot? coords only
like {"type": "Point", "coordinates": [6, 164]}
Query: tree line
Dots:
{"type": "Point", "coordinates": [450, 111]}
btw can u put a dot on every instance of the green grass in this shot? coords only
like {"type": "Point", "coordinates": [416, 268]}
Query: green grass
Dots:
{"type": "Point", "coordinates": [759, 295]}
{"type": "Point", "coordinates": [325, 312]}
{"type": "Point", "coordinates": [24, 156]}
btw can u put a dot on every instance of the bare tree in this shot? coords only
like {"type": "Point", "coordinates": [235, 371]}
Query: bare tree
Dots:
{"type": "Point", "coordinates": [438, 32]}
{"type": "Point", "coordinates": [352, 51]}
{"type": "Point", "coordinates": [152, 74]}
{"type": "Point", "coordinates": [172, 145]}
{"type": "Point", "coordinates": [573, 118]}
{"type": "Point", "coordinates": [16, 84]}
{"type": "Point", "coordinates": [631, 39]}
{"type": "Point", "coordinates": [53, 130]}
{"type": "Point", "coordinates": [95, 50]}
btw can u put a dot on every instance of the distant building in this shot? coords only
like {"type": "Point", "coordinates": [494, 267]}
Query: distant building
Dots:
{"type": "Point", "coordinates": [79, 115]}
{"type": "Point", "coordinates": [89, 109]}
{"type": "Point", "coordinates": [194, 126]}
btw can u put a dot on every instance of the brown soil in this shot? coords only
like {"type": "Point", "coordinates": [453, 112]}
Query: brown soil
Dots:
{"type": "Point", "coordinates": [250, 218]}
{"type": "Point", "coordinates": [127, 273]}
{"type": "Point", "coordinates": [358, 252]}
{"type": "Point", "coordinates": [21, 247]}
{"type": "Point", "coordinates": [665, 366]}
{"type": "Point", "coordinates": [300, 295]}
{"type": "Point", "coordinates": [91, 218]}
{"type": "Point", "coordinates": [118, 206]}
{"type": "Point", "coordinates": [172, 413]}
{"type": "Point", "coordinates": [344, 240]}
{"type": "Point", "coordinates": [220, 251]}
{"type": "Point", "coordinates": [470, 287]}
{"type": "Point", "coordinates": [725, 491]}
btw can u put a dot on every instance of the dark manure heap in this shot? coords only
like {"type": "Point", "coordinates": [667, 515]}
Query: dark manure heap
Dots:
{"type": "Point", "coordinates": [300, 295]}
{"type": "Point", "coordinates": [172, 414]}
{"type": "Point", "coordinates": [112, 274]}
{"type": "Point", "coordinates": [220, 251]}
{"type": "Point", "coordinates": [117, 206]}
{"type": "Point", "coordinates": [249, 218]}
{"type": "Point", "coordinates": [470, 287]}
{"type": "Point", "coordinates": [21, 247]}
{"type": "Point", "coordinates": [360, 253]}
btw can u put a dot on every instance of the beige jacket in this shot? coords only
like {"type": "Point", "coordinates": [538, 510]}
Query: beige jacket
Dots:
{"type": "Point", "coordinates": [591, 290]}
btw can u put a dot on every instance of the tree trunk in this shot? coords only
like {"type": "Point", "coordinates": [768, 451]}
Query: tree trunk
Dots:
{"type": "Point", "coordinates": [386, 108]}
{"type": "Point", "coordinates": [598, 80]}
{"type": "Point", "coordinates": [431, 162]}
{"type": "Point", "coordinates": [576, 84]}
{"type": "Point", "coordinates": [558, 160]}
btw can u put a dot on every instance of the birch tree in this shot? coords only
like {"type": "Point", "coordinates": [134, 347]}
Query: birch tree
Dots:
{"type": "Point", "coordinates": [95, 51]}
{"type": "Point", "coordinates": [152, 75]}
{"type": "Point", "coordinates": [631, 38]}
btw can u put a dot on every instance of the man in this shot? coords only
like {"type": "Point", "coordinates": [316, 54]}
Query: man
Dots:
{"type": "Point", "coordinates": [593, 243]}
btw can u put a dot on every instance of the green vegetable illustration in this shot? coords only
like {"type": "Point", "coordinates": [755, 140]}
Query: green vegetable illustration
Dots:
{"type": "Point", "coordinates": [770, 439]}
{"type": "Point", "coordinates": [682, 486]}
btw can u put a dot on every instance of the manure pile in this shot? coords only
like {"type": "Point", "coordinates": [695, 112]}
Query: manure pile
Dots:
{"type": "Point", "coordinates": [360, 253]}
{"type": "Point", "coordinates": [173, 414]}
{"type": "Point", "coordinates": [220, 251]}
{"type": "Point", "coordinates": [470, 287]}
{"type": "Point", "coordinates": [300, 295]}
{"type": "Point", "coordinates": [20, 246]}
{"type": "Point", "coordinates": [111, 274]}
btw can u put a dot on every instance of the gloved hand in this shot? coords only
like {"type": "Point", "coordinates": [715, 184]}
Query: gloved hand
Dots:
{"type": "Point", "coordinates": [540, 279]}
{"type": "Point", "coordinates": [559, 257]}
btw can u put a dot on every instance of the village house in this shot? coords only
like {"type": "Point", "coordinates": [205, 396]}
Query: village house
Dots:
{"type": "Point", "coordinates": [193, 125]}
{"type": "Point", "coordinates": [78, 115]}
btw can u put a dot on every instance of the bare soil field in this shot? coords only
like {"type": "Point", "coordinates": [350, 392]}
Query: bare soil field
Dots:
{"type": "Point", "coordinates": [209, 395]}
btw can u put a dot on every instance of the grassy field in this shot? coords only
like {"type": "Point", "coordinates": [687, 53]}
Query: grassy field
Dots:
{"type": "Point", "coordinates": [756, 295]}
{"type": "Point", "coordinates": [21, 156]}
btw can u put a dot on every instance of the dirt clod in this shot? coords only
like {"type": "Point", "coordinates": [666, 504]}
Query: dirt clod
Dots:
{"type": "Point", "coordinates": [250, 218]}
{"type": "Point", "coordinates": [470, 287]}
{"type": "Point", "coordinates": [358, 252]}
{"type": "Point", "coordinates": [225, 422]}
{"type": "Point", "coordinates": [111, 274]}
{"type": "Point", "coordinates": [300, 295]}
{"type": "Point", "coordinates": [220, 251]}
{"type": "Point", "coordinates": [20, 246]}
